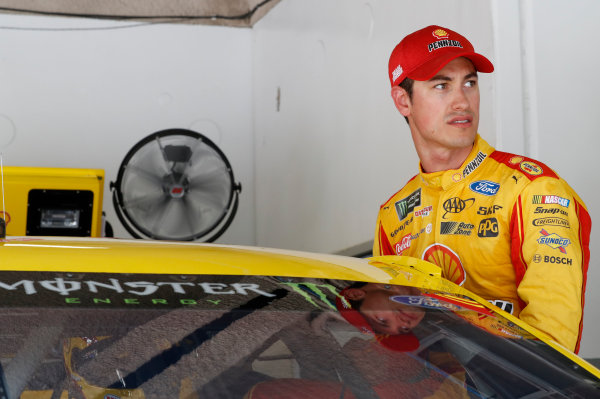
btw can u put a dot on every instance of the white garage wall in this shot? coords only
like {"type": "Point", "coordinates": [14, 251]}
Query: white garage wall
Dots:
{"type": "Point", "coordinates": [330, 146]}
{"type": "Point", "coordinates": [83, 98]}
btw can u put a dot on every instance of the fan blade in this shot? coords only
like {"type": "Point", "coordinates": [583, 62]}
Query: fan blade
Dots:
{"type": "Point", "coordinates": [144, 174]}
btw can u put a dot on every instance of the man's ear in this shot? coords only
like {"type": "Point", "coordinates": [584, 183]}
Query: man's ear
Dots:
{"type": "Point", "coordinates": [401, 100]}
{"type": "Point", "coordinates": [354, 294]}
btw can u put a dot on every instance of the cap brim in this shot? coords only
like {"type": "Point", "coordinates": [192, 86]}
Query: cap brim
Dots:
{"type": "Point", "coordinates": [429, 69]}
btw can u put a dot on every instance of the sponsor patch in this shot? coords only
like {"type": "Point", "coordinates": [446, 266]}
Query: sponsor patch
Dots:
{"type": "Point", "coordinates": [474, 164]}
{"type": "Point", "coordinates": [488, 228]}
{"type": "Point", "coordinates": [558, 259]}
{"type": "Point", "coordinates": [456, 228]}
{"type": "Point", "coordinates": [554, 241]}
{"type": "Point", "coordinates": [404, 244]}
{"type": "Point", "coordinates": [457, 177]}
{"type": "Point", "coordinates": [456, 205]}
{"type": "Point", "coordinates": [448, 261]}
{"type": "Point", "coordinates": [397, 72]}
{"type": "Point", "coordinates": [401, 227]}
{"type": "Point", "coordinates": [437, 301]}
{"type": "Point", "coordinates": [408, 204]}
{"type": "Point", "coordinates": [550, 211]}
{"type": "Point", "coordinates": [425, 211]}
{"type": "Point", "coordinates": [488, 210]}
{"type": "Point", "coordinates": [531, 168]}
{"type": "Point", "coordinates": [551, 199]}
{"type": "Point", "coordinates": [507, 306]}
{"type": "Point", "coordinates": [537, 258]}
{"type": "Point", "coordinates": [516, 160]}
{"type": "Point", "coordinates": [443, 44]}
{"type": "Point", "coordinates": [551, 221]}
{"type": "Point", "coordinates": [485, 187]}
{"type": "Point", "coordinates": [440, 34]}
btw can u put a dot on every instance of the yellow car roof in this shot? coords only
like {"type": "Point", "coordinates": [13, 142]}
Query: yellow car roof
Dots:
{"type": "Point", "coordinates": [94, 255]}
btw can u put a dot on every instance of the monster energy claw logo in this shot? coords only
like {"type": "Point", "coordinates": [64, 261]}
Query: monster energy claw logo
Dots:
{"type": "Point", "coordinates": [408, 204]}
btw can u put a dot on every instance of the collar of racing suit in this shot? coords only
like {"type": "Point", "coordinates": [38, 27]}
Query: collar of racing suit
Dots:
{"type": "Point", "coordinates": [445, 179]}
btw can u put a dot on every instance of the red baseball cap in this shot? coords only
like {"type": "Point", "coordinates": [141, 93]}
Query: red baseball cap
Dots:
{"type": "Point", "coordinates": [401, 342]}
{"type": "Point", "coordinates": [423, 53]}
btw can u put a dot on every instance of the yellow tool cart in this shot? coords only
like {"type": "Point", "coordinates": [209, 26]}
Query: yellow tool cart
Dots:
{"type": "Point", "coordinates": [52, 201]}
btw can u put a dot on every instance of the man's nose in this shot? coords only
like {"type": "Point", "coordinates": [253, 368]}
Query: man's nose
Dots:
{"type": "Point", "coordinates": [459, 99]}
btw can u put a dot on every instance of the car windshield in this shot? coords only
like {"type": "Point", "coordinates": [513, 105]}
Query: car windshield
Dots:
{"type": "Point", "coordinates": [222, 336]}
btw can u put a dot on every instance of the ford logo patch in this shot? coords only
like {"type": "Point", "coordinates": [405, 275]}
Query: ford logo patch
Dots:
{"type": "Point", "coordinates": [485, 187]}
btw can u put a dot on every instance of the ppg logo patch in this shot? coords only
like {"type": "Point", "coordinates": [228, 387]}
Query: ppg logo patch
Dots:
{"type": "Point", "coordinates": [488, 228]}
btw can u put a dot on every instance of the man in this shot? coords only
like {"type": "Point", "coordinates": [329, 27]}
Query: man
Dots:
{"type": "Point", "coordinates": [506, 227]}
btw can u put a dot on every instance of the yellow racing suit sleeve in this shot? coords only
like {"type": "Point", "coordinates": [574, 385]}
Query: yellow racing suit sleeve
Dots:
{"type": "Point", "coordinates": [381, 244]}
{"type": "Point", "coordinates": [550, 229]}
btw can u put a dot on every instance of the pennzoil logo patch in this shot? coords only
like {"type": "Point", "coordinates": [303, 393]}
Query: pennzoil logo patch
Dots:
{"type": "Point", "coordinates": [531, 168]}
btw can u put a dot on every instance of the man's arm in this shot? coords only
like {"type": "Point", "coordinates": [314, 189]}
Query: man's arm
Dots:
{"type": "Point", "coordinates": [550, 229]}
{"type": "Point", "coordinates": [381, 243]}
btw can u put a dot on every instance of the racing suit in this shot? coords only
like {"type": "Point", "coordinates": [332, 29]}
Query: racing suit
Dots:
{"type": "Point", "coordinates": [505, 227]}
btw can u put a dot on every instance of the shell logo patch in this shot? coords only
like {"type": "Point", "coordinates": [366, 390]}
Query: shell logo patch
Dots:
{"type": "Point", "coordinates": [448, 261]}
{"type": "Point", "coordinates": [440, 34]}
{"type": "Point", "coordinates": [531, 168]}
{"type": "Point", "coordinates": [516, 160]}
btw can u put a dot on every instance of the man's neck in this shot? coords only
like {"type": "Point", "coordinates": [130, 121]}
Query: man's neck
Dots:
{"type": "Point", "coordinates": [433, 160]}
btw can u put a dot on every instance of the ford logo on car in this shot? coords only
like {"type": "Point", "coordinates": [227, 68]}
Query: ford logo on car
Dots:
{"type": "Point", "coordinates": [485, 187]}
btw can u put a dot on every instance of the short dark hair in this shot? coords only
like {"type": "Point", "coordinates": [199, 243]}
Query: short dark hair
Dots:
{"type": "Point", "coordinates": [407, 85]}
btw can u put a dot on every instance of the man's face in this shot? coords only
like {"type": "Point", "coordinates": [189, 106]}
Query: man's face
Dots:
{"type": "Point", "coordinates": [444, 111]}
{"type": "Point", "coordinates": [386, 316]}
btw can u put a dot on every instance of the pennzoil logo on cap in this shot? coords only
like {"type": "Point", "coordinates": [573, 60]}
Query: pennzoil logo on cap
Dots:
{"type": "Point", "coordinates": [440, 34]}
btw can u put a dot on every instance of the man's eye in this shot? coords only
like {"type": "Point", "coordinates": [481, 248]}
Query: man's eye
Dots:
{"type": "Point", "coordinates": [440, 86]}
{"type": "Point", "coordinates": [471, 83]}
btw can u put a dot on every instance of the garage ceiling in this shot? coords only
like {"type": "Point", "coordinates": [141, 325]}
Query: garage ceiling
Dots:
{"type": "Point", "coordinates": [240, 13]}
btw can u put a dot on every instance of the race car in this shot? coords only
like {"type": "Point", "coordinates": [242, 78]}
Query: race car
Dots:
{"type": "Point", "coordinates": [112, 318]}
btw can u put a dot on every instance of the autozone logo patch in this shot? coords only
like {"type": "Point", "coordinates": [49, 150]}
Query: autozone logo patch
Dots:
{"type": "Point", "coordinates": [554, 241]}
{"type": "Point", "coordinates": [408, 204]}
{"type": "Point", "coordinates": [456, 205]}
{"type": "Point", "coordinates": [551, 199]}
{"type": "Point", "coordinates": [456, 228]}
{"type": "Point", "coordinates": [488, 228]}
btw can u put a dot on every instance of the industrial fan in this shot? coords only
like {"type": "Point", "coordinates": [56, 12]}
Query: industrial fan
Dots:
{"type": "Point", "coordinates": [175, 184]}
